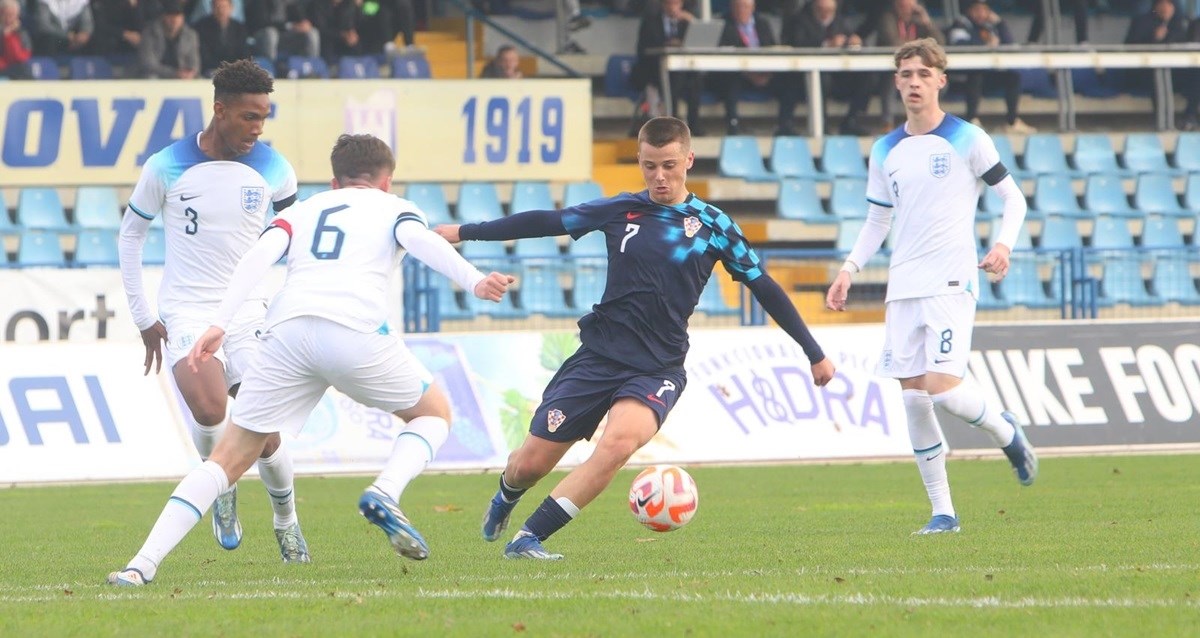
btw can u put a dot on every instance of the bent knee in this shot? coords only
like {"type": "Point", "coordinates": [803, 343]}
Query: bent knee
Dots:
{"type": "Point", "coordinates": [209, 414]}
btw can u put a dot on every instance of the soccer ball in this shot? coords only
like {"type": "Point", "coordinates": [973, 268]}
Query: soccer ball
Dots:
{"type": "Point", "coordinates": [663, 498]}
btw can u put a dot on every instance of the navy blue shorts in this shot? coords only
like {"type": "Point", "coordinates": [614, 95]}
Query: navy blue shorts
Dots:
{"type": "Point", "coordinates": [587, 385]}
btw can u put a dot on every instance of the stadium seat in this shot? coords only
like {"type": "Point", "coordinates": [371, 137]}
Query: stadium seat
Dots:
{"type": "Point", "coordinates": [96, 247]}
{"type": "Point", "coordinates": [449, 306]}
{"type": "Point", "coordinates": [43, 68]}
{"type": "Point", "coordinates": [1054, 195]}
{"type": "Point", "coordinates": [1024, 240]}
{"type": "Point", "coordinates": [542, 291]}
{"type": "Point", "coordinates": [1023, 286]}
{"type": "Point", "coordinates": [1088, 82]}
{"type": "Point", "coordinates": [358, 67]}
{"type": "Point", "coordinates": [1123, 284]}
{"type": "Point", "coordinates": [1173, 281]}
{"type": "Point", "coordinates": [1008, 157]}
{"type": "Point", "coordinates": [1060, 233]}
{"type": "Point", "coordinates": [412, 66]}
{"type": "Point", "coordinates": [841, 157]}
{"type": "Point", "coordinates": [39, 248]}
{"type": "Point", "coordinates": [300, 66]}
{"type": "Point", "coordinates": [97, 207]}
{"type": "Point", "coordinates": [90, 67]}
{"type": "Point", "coordinates": [154, 251]}
{"type": "Point", "coordinates": [530, 196]}
{"type": "Point", "coordinates": [1111, 232]}
{"type": "Point", "coordinates": [740, 158]}
{"type": "Point", "coordinates": [791, 157]}
{"type": "Point", "coordinates": [1144, 153]}
{"type": "Point", "coordinates": [430, 198]}
{"type": "Point", "coordinates": [304, 191]}
{"type": "Point", "coordinates": [537, 249]}
{"type": "Point", "coordinates": [1162, 232]}
{"type": "Point", "coordinates": [988, 300]}
{"type": "Point", "coordinates": [266, 64]}
{"type": "Point", "coordinates": [1187, 152]}
{"type": "Point", "coordinates": [580, 192]}
{"type": "Point", "coordinates": [848, 199]}
{"type": "Point", "coordinates": [493, 252]}
{"type": "Point", "coordinates": [593, 244]}
{"type": "Point", "coordinates": [7, 227]}
{"type": "Point", "coordinates": [590, 276]}
{"type": "Point", "coordinates": [1104, 194]}
{"type": "Point", "coordinates": [617, 73]}
{"type": "Point", "coordinates": [798, 199]}
{"type": "Point", "coordinates": [992, 206]}
{"type": "Point", "coordinates": [1155, 195]}
{"type": "Point", "coordinates": [1044, 155]}
{"type": "Point", "coordinates": [1094, 153]}
{"type": "Point", "coordinates": [1191, 192]}
{"type": "Point", "coordinates": [712, 302]}
{"type": "Point", "coordinates": [478, 202]}
{"type": "Point", "coordinates": [40, 208]}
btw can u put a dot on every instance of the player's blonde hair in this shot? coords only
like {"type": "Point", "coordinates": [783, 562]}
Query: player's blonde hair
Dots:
{"type": "Point", "coordinates": [931, 53]}
{"type": "Point", "coordinates": [361, 157]}
{"type": "Point", "coordinates": [660, 131]}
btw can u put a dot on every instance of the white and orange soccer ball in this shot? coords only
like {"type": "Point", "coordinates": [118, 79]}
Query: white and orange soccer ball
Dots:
{"type": "Point", "coordinates": [663, 498]}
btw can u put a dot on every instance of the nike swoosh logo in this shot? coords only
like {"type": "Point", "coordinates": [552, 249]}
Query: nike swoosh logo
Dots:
{"type": "Point", "coordinates": [633, 215]}
{"type": "Point", "coordinates": [930, 458]}
{"type": "Point", "coordinates": [643, 501]}
{"type": "Point", "coordinates": [939, 361]}
{"type": "Point", "coordinates": [656, 400]}
{"type": "Point", "coordinates": [893, 172]}
{"type": "Point", "coordinates": [184, 198]}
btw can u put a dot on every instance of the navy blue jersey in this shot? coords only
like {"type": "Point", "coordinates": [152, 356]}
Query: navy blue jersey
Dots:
{"type": "Point", "coordinates": [659, 259]}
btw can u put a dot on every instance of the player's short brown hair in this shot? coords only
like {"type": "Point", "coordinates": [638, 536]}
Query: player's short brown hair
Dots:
{"type": "Point", "coordinates": [361, 157]}
{"type": "Point", "coordinates": [931, 53]}
{"type": "Point", "coordinates": [660, 131]}
{"type": "Point", "coordinates": [240, 77]}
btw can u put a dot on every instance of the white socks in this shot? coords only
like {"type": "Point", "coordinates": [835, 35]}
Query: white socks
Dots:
{"type": "Point", "coordinates": [279, 478]}
{"type": "Point", "coordinates": [966, 402]}
{"type": "Point", "coordinates": [205, 436]}
{"type": "Point", "coordinates": [187, 505]}
{"type": "Point", "coordinates": [415, 447]}
{"type": "Point", "coordinates": [926, 437]}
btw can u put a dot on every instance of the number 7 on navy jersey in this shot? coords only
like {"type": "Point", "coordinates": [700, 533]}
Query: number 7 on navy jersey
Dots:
{"type": "Point", "coordinates": [630, 231]}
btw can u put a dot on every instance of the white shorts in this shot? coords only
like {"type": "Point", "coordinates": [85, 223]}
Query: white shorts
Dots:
{"type": "Point", "coordinates": [300, 358]}
{"type": "Point", "coordinates": [927, 334]}
{"type": "Point", "coordinates": [237, 351]}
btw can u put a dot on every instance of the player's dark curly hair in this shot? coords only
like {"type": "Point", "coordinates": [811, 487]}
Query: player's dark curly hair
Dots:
{"type": "Point", "coordinates": [241, 77]}
{"type": "Point", "coordinates": [361, 157]}
{"type": "Point", "coordinates": [660, 131]}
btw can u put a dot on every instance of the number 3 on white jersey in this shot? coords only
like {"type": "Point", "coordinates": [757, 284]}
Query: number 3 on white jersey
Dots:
{"type": "Point", "coordinates": [630, 231]}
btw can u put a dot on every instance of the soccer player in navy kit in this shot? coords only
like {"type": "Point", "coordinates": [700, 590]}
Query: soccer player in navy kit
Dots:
{"type": "Point", "coordinates": [662, 246]}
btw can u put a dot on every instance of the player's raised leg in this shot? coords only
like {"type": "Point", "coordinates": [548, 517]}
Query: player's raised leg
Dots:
{"type": "Point", "coordinates": [234, 454]}
{"type": "Point", "coordinates": [527, 465]}
{"type": "Point", "coordinates": [965, 400]}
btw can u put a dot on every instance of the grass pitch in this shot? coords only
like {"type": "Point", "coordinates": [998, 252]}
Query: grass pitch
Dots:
{"type": "Point", "coordinates": [1100, 546]}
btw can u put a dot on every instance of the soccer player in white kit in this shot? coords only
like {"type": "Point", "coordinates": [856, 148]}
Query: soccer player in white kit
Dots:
{"type": "Point", "coordinates": [213, 191]}
{"type": "Point", "coordinates": [327, 327]}
{"type": "Point", "coordinates": [922, 184]}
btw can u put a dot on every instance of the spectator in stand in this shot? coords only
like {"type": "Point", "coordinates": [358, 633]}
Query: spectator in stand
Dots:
{"type": "Point", "coordinates": [743, 29]}
{"type": "Point", "coordinates": [666, 27]}
{"type": "Point", "coordinates": [62, 27]}
{"type": "Point", "coordinates": [380, 21]}
{"type": "Point", "coordinates": [222, 39]}
{"type": "Point", "coordinates": [337, 21]}
{"type": "Point", "coordinates": [904, 21]}
{"type": "Point", "coordinates": [195, 10]}
{"type": "Point", "coordinates": [119, 24]}
{"type": "Point", "coordinates": [1162, 24]}
{"type": "Point", "coordinates": [1189, 84]}
{"type": "Point", "coordinates": [282, 28]}
{"type": "Point", "coordinates": [15, 46]}
{"type": "Point", "coordinates": [821, 24]}
{"type": "Point", "coordinates": [169, 49]}
{"type": "Point", "coordinates": [980, 26]}
{"type": "Point", "coordinates": [505, 66]}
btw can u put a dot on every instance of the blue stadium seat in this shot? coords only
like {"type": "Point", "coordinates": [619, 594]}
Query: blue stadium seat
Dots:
{"type": "Point", "coordinates": [97, 207]}
{"type": "Point", "coordinates": [590, 277]}
{"type": "Point", "coordinates": [1173, 281]}
{"type": "Point", "coordinates": [1089, 82]}
{"type": "Point", "coordinates": [505, 309]}
{"type": "Point", "coordinates": [358, 67]}
{"type": "Point", "coordinates": [1104, 194]}
{"type": "Point", "coordinates": [1094, 153]}
{"type": "Point", "coordinates": [1060, 233]}
{"type": "Point", "coordinates": [1191, 192]}
{"type": "Point", "coordinates": [531, 196]}
{"type": "Point", "coordinates": [1155, 195]}
{"type": "Point", "coordinates": [304, 191]}
{"type": "Point", "coordinates": [992, 206]}
{"type": "Point", "coordinates": [798, 199]}
{"type": "Point", "coordinates": [266, 64]}
{"type": "Point", "coordinates": [450, 308]}
{"type": "Point", "coordinates": [542, 291]}
{"type": "Point", "coordinates": [1187, 152]}
{"type": "Point", "coordinates": [841, 157]}
{"type": "Point", "coordinates": [43, 68]}
{"type": "Point", "coordinates": [430, 198]}
{"type": "Point", "coordinates": [39, 248]}
{"type": "Point", "coordinates": [580, 192]}
{"type": "Point", "coordinates": [740, 158]}
{"type": "Point", "coordinates": [1024, 240]}
{"type": "Point", "coordinates": [493, 252]}
{"type": "Point", "coordinates": [300, 66]}
{"type": "Point", "coordinates": [1123, 284]}
{"type": "Point", "coordinates": [617, 73]}
{"type": "Point", "coordinates": [988, 300]}
{"type": "Point", "coordinates": [7, 227]}
{"type": "Point", "coordinates": [1055, 195]}
{"type": "Point", "coordinates": [791, 157]}
{"type": "Point", "coordinates": [1023, 285]}
{"type": "Point", "coordinates": [593, 244]}
{"type": "Point", "coordinates": [1144, 153]}
{"type": "Point", "coordinates": [478, 202]}
{"type": "Point", "coordinates": [1008, 157]}
{"type": "Point", "coordinates": [712, 302]}
{"type": "Point", "coordinates": [1111, 232]}
{"type": "Point", "coordinates": [40, 208]}
{"type": "Point", "coordinates": [154, 251]}
{"type": "Point", "coordinates": [90, 67]}
{"type": "Point", "coordinates": [1044, 155]}
{"type": "Point", "coordinates": [848, 199]}
{"type": "Point", "coordinates": [1161, 232]}
{"type": "Point", "coordinates": [96, 247]}
{"type": "Point", "coordinates": [411, 66]}
{"type": "Point", "coordinates": [537, 249]}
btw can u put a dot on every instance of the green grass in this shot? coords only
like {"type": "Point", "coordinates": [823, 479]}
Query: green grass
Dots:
{"type": "Point", "coordinates": [1100, 546]}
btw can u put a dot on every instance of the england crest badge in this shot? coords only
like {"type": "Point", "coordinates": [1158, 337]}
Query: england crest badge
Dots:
{"type": "Point", "coordinates": [939, 165]}
{"type": "Point", "coordinates": [252, 199]}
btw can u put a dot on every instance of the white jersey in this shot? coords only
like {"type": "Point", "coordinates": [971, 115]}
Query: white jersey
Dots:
{"type": "Point", "coordinates": [213, 211]}
{"type": "Point", "coordinates": [930, 184]}
{"type": "Point", "coordinates": [341, 253]}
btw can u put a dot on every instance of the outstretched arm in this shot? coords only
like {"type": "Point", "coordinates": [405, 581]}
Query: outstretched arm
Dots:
{"type": "Point", "coordinates": [775, 301]}
{"type": "Point", "coordinates": [533, 223]}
